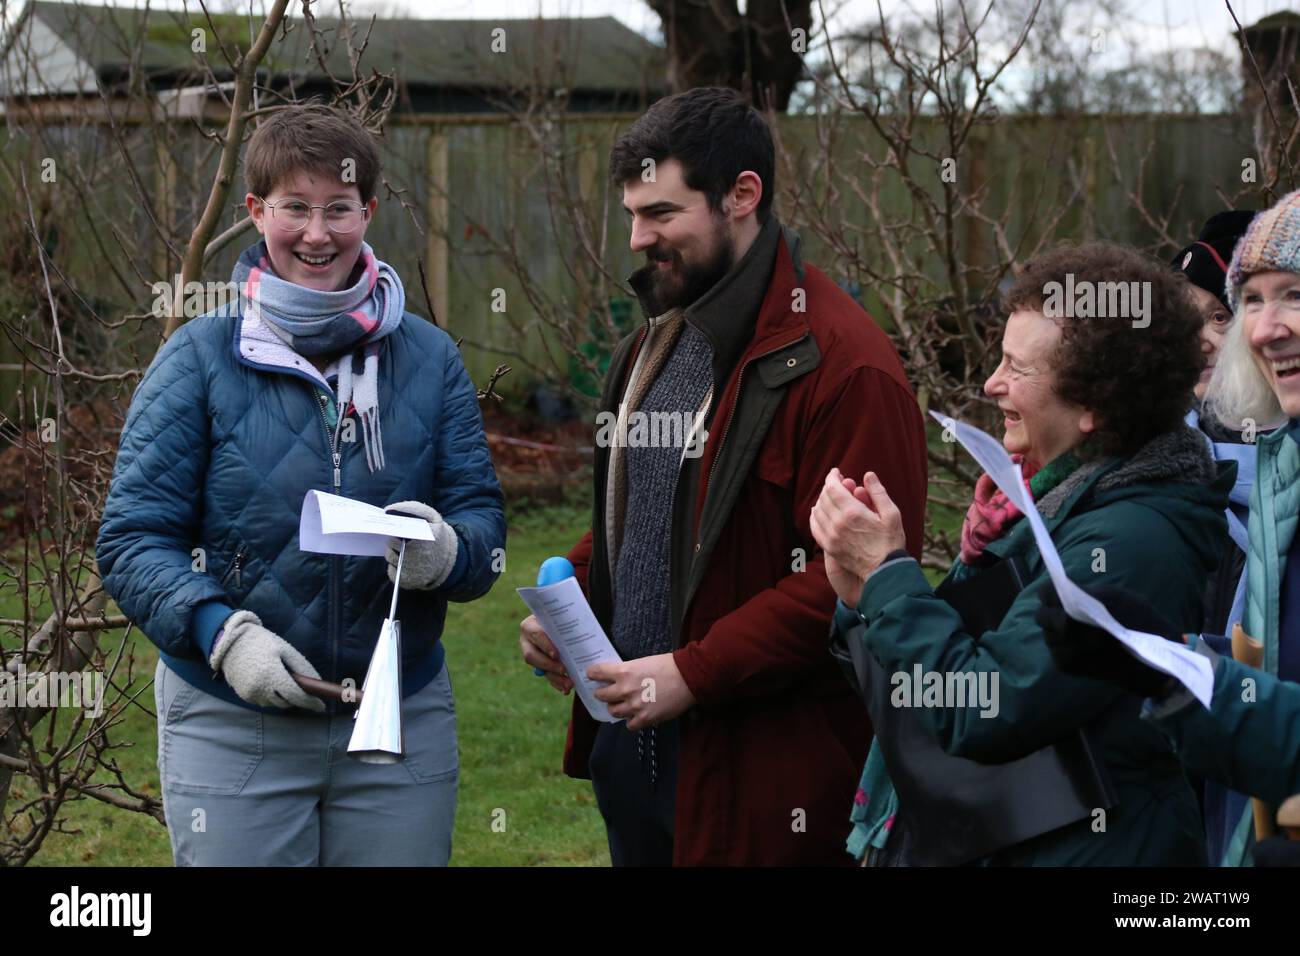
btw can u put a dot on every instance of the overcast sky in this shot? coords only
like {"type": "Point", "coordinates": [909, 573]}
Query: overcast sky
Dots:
{"type": "Point", "coordinates": [1160, 24]}
{"type": "Point", "coordinates": [1156, 25]}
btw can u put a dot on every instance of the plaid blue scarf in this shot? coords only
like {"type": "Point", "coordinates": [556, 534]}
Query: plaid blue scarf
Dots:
{"type": "Point", "coordinates": [331, 323]}
{"type": "Point", "coordinates": [323, 323]}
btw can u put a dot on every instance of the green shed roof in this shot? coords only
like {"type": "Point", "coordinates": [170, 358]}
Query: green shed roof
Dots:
{"type": "Point", "coordinates": [597, 53]}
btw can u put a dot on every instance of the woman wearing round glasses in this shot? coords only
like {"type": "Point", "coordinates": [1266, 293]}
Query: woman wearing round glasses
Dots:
{"type": "Point", "coordinates": [199, 543]}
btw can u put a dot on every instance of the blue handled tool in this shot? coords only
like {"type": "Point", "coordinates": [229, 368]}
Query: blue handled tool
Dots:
{"type": "Point", "coordinates": [552, 571]}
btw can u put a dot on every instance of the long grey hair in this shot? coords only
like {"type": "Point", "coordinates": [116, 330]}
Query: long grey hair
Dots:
{"type": "Point", "coordinates": [1239, 394]}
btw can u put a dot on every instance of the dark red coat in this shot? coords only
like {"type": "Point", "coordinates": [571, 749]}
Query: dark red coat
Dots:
{"type": "Point", "coordinates": [771, 755]}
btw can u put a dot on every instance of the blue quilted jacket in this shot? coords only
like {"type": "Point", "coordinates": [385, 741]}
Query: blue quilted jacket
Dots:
{"type": "Point", "coordinates": [217, 453]}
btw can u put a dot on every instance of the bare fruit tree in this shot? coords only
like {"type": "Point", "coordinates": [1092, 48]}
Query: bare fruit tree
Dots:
{"type": "Point", "coordinates": [756, 50]}
{"type": "Point", "coordinates": [123, 188]}
{"type": "Point", "coordinates": [930, 185]}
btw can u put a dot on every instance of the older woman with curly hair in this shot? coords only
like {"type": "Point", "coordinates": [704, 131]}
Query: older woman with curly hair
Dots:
{"type": "Point", "coordinates": [1039, 767]}
{"type": "Point", "coordinates": [1248, 739]}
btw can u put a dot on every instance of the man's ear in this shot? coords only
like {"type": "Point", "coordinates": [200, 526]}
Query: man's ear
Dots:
{"type": "Point", "coordinates": [371, 207]}
{"type": "Point", "coordinates": [1087, 422]}
{"type": "Point", "coordinates": [746, 194]}
{"type": "Point", "coordinates": [255, 211]}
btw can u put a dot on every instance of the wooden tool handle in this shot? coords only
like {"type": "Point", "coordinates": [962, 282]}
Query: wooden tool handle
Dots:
{"type": "Point", "coordinates": [326, 690]}
{"type": "Point", "coordinates": [1250, 652]}
{"type": "Point", "coordinates": [1288, 816]}
{"type": "Point", "coordinates": [1245, 648]}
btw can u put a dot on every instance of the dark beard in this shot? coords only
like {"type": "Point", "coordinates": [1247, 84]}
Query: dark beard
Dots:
{"type": "Point", "coordinates": [683, 284]}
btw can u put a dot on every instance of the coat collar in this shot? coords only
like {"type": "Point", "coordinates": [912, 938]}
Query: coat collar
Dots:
{"type": "Point", "coordinates": [763, 281]}
{"type": "Point", "coordinates": [256, 344]}
{"type": "Point", "coordinates": [1238, 450]}
{"type": "Point", "coordinates": [783, 312]}
{"type": "Point", "coordinates": [727, 313]}
{"type": "Point", "coordinates": [1180, 454]}
{"type": "Point", "coordinates": [1270, 456]}
{"type": "Point", "coordinates": [1273, 438]}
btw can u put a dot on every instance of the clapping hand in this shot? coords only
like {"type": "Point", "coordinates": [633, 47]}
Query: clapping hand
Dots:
{"type": "Point", "coordinates": [856, 526]}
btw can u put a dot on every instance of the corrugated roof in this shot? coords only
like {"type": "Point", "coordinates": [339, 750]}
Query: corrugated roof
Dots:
{"type": "Point", "coordinates": [596, 53]}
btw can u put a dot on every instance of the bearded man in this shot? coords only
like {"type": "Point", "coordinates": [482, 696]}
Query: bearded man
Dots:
{"type": "Point", "coordinates": [741, 739]}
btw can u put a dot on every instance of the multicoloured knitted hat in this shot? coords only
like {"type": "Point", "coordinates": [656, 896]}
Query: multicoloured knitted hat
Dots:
{"type": "Point", "coordinates": [1271, 243]}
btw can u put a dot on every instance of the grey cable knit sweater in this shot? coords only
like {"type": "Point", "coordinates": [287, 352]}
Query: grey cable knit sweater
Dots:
{"type": "Point", "coordinates": [641, 577]}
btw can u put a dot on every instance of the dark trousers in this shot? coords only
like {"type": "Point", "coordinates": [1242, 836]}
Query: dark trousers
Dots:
{"type": "Point", "coordinates": [636, 792]}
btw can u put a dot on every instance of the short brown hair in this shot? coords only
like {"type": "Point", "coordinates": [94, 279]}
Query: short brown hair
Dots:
{"type": "Point", "coordinates": [712, 132]}
{"type": "Point", "coordinates": [1137, 380]}
{"type": "Point", "coordinates": [313, 137]}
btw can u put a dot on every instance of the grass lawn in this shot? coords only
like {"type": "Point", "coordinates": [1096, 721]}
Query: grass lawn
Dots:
{"type": "Point", "coordinates": [511, 727]}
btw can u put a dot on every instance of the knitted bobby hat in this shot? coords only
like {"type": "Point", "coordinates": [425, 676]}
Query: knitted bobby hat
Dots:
{"type": "Point", "coordinates": [1271, 243]}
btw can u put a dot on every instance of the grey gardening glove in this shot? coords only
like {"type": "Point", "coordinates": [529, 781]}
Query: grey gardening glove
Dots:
{"type": "Point", "coordinates": [256, 664]}
{"type": "Point", "coordinates": [427, 563]}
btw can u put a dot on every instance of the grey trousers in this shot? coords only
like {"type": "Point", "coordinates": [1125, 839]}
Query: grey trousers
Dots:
{"type": "Point", "coordinates": [241, 788]}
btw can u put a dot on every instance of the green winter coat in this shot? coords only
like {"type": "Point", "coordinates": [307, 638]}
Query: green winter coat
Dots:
{"type": "Point", "coordinates": [1152, 523]}
{"type": "Point", "coordinates": [1248, 706]}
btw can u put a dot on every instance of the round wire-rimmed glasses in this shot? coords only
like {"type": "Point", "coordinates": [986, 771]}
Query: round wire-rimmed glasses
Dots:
{"type": "Point", "coordinates": [341, 215]}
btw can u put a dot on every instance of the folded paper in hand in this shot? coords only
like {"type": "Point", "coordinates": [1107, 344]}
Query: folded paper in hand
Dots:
{"type": "Point", "coordinates": [331, 524]}
{"type": "Point", "coordinates": [566, 617]}
{"type": "Point", "coordinates": [1189, 668]}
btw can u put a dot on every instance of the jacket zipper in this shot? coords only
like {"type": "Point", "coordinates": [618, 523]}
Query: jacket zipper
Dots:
{"type": "Point", "coordinates": [336, 585]}
{"type": "Point", "coordinates": [235, 568]}
{"type": "Point", "coordinates": [329, 441]}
